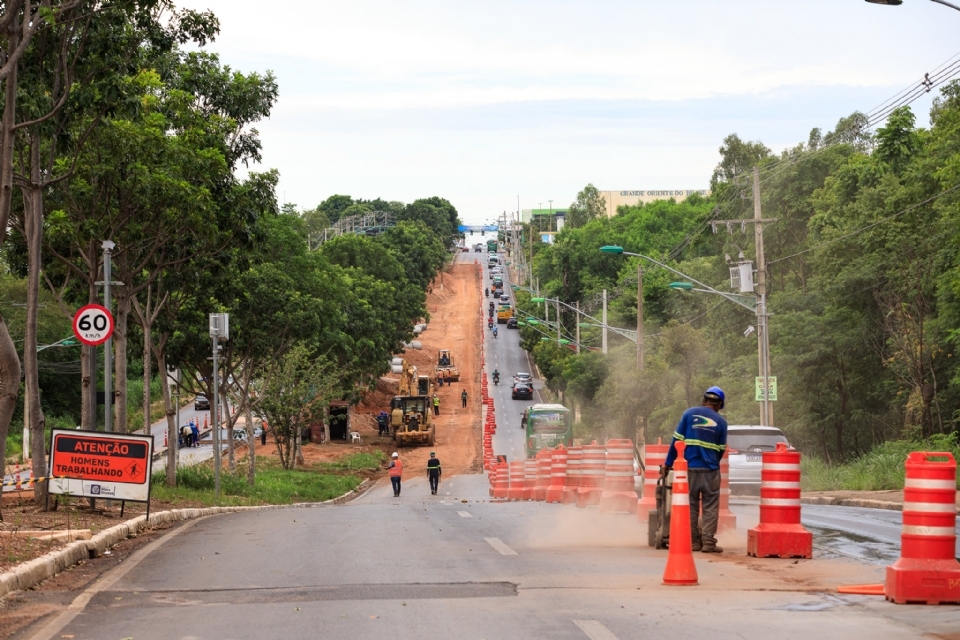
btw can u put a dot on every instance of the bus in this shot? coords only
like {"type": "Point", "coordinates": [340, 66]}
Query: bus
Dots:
{"type": "Point", "coordinates": [547, 425]}
{"type": "Point", "coordinates": [504, 313]}
{"type": "Point", "coordinates": [493, 246]}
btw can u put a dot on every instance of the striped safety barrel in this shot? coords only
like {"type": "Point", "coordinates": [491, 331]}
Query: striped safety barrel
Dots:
{"type": "Point", "coordinates": [927, 571]}
{"type": "Point", "coordinates": [618, 493]}
{"type": "Point", "coordinates": [592, 467]}
{"type": "Point", "coordinates": [656, 455]}
{"type": "Point", "coordinates": [780, 533]}
{"type": "Point", "coordinates": [501, 484]}
{"type": "Point", "coordinates": [572, 484]}
{"type": "Point", "coordinates": [558, 474]}
{"type": "Point", "coordinates": [530, 479]}
{"type": "Point", "coordinates": [515, 491]}
{"type": "Point", "coordinates": [728, 519]}
{"type": "Point", "coordinates": [544, 465]}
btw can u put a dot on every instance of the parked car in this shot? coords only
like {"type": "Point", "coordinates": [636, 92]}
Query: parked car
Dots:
{"type": "Point", "coordinates": [522, 391]}
{"type": "Point", "coordinates": [512, 323]}
{"type": "Point", "coordinates": [523, 378]}
{"type": "Point", "coordinates": [745, 447]}
{"type": "Point", "coordinates": [201, 403]}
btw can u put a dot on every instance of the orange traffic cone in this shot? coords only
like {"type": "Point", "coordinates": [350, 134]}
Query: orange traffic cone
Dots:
{"type": "Point", "coordinates": [680, 569]}
{"type": "Point", "coordinates": [204, 422]}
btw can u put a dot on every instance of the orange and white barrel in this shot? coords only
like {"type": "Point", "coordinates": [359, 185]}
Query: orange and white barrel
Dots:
{"type": "Point", "coordinates": [572, 484]}
{"type": "Point", "coordinates": [515, 490]}
{"type": "Point", "coordinates": [544, 465]}
{"type": "Point", "coordinates": [530, 479]}
{"type": "Point", "coordinates": [558, 474]}
{"type": "Point", "coordinates": [728, 519]}
{"type": "Point", "coordinates": [656, 456]}
{"type": "Point", "coordinates": [780, 533]}
{"type": "Point", "coordinates": [618, 493]}
{"type": "Point", "coordinates": [592, 469]}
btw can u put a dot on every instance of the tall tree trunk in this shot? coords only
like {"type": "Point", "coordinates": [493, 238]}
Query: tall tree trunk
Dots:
{"type": "Point", "coordinates": [147, 365]}
{"type": "Point", "coordinates": [172, 427]}
{"type": "Point", "coordinates": [251, 445]}
{"type": "Point", "coordinates": [229, 421]}
{"type": "Point", "coordinates": [33, 230]}
{"type": "Point", "coordinates": [122, 319]}
{"type": "Point", "coordinates": [9, 384]}
{"type": "Point", "coordinates": [88, 355]}
{"type": "Point", "coordinates": [9, 360]}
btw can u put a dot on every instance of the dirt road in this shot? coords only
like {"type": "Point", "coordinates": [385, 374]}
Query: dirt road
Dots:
{"type": "Point", "coordinates": [453, 303]}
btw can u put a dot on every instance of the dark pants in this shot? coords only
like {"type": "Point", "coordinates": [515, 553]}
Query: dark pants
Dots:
{"type": "Point", "coordinates": [436, 409]}
{"type": "Point", "coordinates": [464, 402]}
{"type": "Point", "coordinates": [263, 436]}
{"type": "Point", "coordinates": [705, 492]}
{"type": "Point", "coordinates": [395, 481]}
{"type": "Point", "coordinates": [434, 481]}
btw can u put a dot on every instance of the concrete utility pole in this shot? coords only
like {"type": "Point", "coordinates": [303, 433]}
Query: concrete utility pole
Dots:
{"type": "Point", "coordinates": [604, 321]}
{"type": "Point", "coordinates": [578, 326]}
{"type": "Point", "coordinates": [640, 352]}
{"type": "Point", "coordinates": [763, 337]}
{"type": "Point", "coordinates": [558, 322]}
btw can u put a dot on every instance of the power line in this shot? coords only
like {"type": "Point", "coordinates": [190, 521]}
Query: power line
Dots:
{"type": "Point", "coordinates": [869, 226]}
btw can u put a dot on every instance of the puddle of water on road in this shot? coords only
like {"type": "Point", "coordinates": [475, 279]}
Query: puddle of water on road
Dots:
{"type": "Point", "coordinates": [847, 544]}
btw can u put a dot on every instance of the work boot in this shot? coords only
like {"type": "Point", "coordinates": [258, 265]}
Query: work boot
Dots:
{"type": "Point", "coordinates": [695, 546]}
{"type": "Point", "coordinates": [711, 548]}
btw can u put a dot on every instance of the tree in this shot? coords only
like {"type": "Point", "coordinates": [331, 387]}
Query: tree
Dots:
{"type": "Point", "coordinates": [588, 206]}
{"type": "Point", "coordinates": [334, 206]}
{"type": "Point", "coordinates": [737, 158]}
{"type": "Point", "coordinates": [295, 392]}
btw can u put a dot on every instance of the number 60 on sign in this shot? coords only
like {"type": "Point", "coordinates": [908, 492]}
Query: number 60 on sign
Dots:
{"type": "Point", "coordinates": [93, 325]}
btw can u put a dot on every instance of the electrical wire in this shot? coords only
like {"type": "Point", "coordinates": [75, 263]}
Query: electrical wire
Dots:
{"type": "Point", "coordinates": [869, 226]}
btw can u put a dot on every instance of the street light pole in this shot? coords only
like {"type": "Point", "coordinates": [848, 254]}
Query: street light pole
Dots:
{"type": "Point", "coordinates": [108, 247]}
{"type": "Point", "coordinates": [763, 338]}
{"type": "Point", "coordinates": [604, 321]}
{"type": "Point", "coordinates": [640, 347]}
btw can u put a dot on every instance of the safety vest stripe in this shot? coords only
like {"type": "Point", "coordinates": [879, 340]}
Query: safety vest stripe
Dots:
{"type": "Point", "coordinates": [705, 445]}
{"type": "Point", "coordinates": [679, 436]}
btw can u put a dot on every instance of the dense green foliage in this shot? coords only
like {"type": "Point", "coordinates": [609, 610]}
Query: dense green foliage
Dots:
{"type": "Point", "coordinates": [863, 284]}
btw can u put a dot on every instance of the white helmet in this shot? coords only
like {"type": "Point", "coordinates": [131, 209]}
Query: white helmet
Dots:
{"type": "Point", "coordinates": [395, 455]}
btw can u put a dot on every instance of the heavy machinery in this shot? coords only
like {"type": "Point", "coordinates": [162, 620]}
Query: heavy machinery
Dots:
{"type": "Point", "coordinates": [447, 366]}
{"type": "Point", "coordinates": [410, 410]}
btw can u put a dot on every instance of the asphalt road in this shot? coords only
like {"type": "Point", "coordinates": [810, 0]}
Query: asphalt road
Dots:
{"type": "Point", "coordinates": [458, 566]}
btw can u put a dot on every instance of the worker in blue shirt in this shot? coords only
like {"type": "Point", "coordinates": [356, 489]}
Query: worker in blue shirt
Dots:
{"type": "Point", "coordinates": [704, 432]}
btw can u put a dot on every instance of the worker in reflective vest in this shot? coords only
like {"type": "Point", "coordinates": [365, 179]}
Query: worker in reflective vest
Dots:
{"type": "Point", "coordinates": [436, 405]}
{"type": "Point", "coordinates": [396, 471]}
{"type": "Point", "coordinates": [433, 472]}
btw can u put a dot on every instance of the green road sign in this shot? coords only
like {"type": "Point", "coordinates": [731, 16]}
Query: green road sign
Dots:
{"type": "Point", "coordinates": [772, 389]}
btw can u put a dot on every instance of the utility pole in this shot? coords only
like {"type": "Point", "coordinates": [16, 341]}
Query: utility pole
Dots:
{"type": "Point", "coordinates": [604, 321]}
{"type": "Point", "coordinates": [219, 332]}
{"type": "Point", "coordinates": [558, 322]}
{"type": "Point", "coordinates": [640, 352]}
{"type": "Point", "coordinates": [763, 337]}
{"type": "Point", "coordinates": [578, 326]}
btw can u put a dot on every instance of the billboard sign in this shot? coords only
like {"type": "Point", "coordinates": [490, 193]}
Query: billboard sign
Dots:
{"type": "Point", "coordinates": [94, 464]}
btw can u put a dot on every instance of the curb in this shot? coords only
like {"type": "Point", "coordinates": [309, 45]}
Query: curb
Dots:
{"type": "Point", "coordinates": [853, 502]}
{"type": "Point", "coordinates": [33, 572]}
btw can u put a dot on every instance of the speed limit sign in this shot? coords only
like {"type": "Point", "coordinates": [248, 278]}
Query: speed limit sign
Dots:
{"type": "Point", "coordinates": [93, 325]}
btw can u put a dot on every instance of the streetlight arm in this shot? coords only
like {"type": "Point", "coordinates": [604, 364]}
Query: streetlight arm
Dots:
{"type": "Point", "coordinates": [706, 287]}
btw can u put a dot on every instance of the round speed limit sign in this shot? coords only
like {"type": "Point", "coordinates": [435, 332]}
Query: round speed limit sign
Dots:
{"type": "Point", "coordinates": [93, 325]}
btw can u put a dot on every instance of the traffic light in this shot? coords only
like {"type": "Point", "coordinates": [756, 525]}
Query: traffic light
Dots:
{"type": "Point", "coordinates": [471, 231]}
{"type": "Point", "coordinates": [482, 232]}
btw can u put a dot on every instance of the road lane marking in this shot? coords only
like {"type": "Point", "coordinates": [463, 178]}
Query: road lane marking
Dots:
{"type": "Point", "coordinates": [497, 544]}
{"type": "Point", "coordinates": [595, 630]}
{"type": "Point", "coordinates": [464, 514]}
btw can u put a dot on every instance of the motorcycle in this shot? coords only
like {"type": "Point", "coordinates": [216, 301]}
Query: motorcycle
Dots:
{"type": "Point", "coordinates": [496, 378]}
{"type": "Point", "coordinates": [490, 323]}
{"type": "Point", "coordinates": [486, 293]}
{"type": "Point", "coordinates": [494, 333]}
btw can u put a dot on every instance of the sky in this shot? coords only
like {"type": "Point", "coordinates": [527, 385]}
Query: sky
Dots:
{"type": "Point", "coordinates": [485, 102]}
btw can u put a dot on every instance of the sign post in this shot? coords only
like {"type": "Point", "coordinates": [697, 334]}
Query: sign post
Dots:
{"type": "Point", "coordinates": [766, 392]}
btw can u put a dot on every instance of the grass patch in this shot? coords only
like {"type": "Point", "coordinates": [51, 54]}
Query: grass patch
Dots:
{"type": "Point", "coordinates": [355, 462]}
{"type": "Point", "coordinates": [878, 470]}
{"type": "Point", "coordinates": [274, 485]}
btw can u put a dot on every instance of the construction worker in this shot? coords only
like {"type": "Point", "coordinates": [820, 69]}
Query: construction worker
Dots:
{"type": "Point", "coordinates": [433, 472]}
{"type": "Point", "coordinates": [436, 405]}
{"type": "Point", "coordinates": [704, 432]}
{"type": "Point", "coordinates": [463, 398]}
{"type": "Point", "coordinates": [396, 472]}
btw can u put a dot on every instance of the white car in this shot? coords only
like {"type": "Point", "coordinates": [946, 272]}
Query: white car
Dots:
{"type": "Point", "coordinates": [525, 378]}
{"type": "Point", "coordinates": [745, 447]}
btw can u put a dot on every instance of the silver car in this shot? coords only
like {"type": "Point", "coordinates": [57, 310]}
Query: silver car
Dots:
{"type": "Point", "coordinates": [745, 447]}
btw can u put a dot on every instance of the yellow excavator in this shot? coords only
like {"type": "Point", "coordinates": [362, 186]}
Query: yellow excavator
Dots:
{"type": "Point", "coordinates": [410, 411]}
{"type": "Point", "coordinates": [446, 365]}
